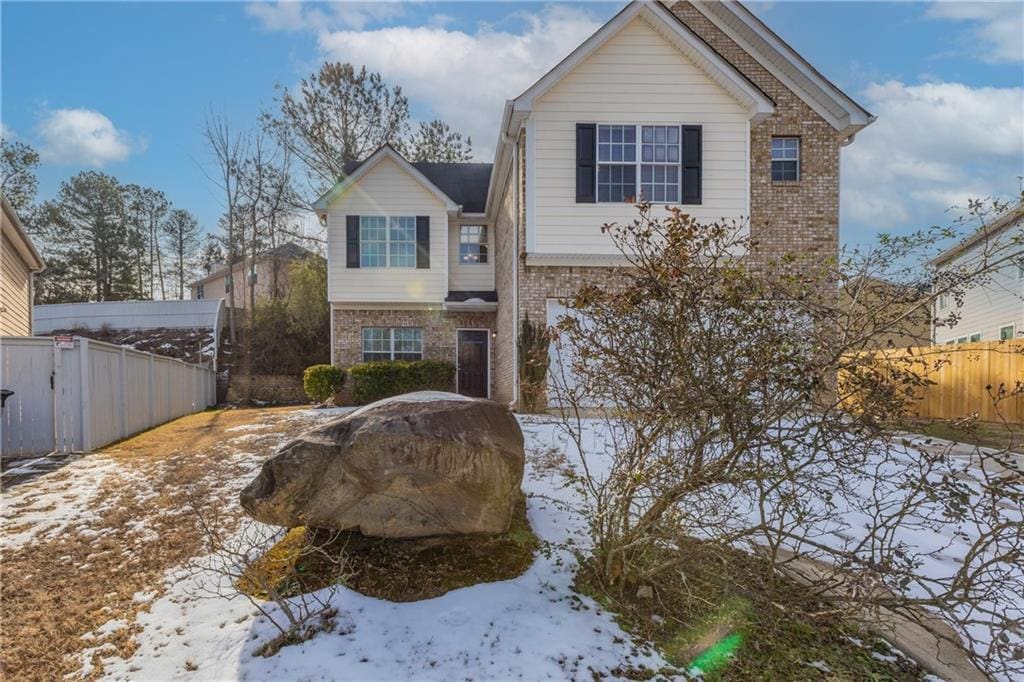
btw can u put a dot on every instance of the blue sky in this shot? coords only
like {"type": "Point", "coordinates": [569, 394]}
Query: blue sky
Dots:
{"type": "Point", "coordinates": [124, 87]}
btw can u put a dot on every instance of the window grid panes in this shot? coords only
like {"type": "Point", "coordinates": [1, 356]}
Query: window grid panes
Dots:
{"type": "Point", "coordinates": [785, 158]}
{"type": "Point", "coordinates": [659, 169]}
{"type": "Point", "coordinates": [656, 166]}
{"type": "Point", "coordinates": [373, 241]}
{"type": "Point", "coordinates": [387, 241]}
{"type": "Point", "coordinates": [616, 163]}
{"type": "Point", "coordinates": [392, 343]}
{"type": "Point", "coordinates": [472, 244]}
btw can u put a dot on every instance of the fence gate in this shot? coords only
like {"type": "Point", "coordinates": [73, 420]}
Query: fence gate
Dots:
{"type": "Point", "coordinates": [82, 394]}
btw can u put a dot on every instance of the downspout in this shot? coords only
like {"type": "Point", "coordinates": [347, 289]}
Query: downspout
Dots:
{"type": "Point", "coordinates": [515, 266]}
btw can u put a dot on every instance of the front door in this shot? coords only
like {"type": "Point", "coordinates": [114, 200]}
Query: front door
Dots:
{"type": "Point", "coordinates": [471, 376]}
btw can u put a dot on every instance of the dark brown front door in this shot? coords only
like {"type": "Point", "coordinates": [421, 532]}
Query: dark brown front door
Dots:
{"type": "Point", "coordinates": [472, 371]}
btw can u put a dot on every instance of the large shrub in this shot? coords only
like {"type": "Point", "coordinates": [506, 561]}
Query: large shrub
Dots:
{"type": "Point", "coordinates": [375, 380]}
{"type": "Point", "coordinates": [322, 381]}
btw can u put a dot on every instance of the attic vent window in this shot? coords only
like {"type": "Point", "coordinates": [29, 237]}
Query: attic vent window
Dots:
{"type": "Point", "coordinates": [785, 159]}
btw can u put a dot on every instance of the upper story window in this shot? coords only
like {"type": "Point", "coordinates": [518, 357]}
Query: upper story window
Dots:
{"type": "Point", "coordinates": [392, 343]}
{"type": "Point", "coordinates": [1006, 333]}
{"type": "Point", "coordinates": [199, 291]}
{"type": "Point", "coordinates": [472, 244]}
{"type": "Point", "coordinates": [943, 301]}
{"type": "Point", "coordinates": [629, 162]}
{"type": "Point", "coordinates": [387, 241]}
{"type": "Point", "coordinates": [785, 159]}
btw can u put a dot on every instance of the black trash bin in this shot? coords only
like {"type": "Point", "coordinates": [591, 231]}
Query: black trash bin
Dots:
{"type": "Point", "coordinates": [5, 393]}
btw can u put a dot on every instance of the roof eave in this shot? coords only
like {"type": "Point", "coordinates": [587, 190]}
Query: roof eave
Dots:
{"type": "Point", "coordinates": [27, 248]}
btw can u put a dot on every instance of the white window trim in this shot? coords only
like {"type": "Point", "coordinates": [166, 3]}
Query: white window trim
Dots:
{"type": "Point", "coordinates": [391, 342]}
{"type": "Point", "coordinates": [484, 243]}
{"type": "Point", "coordinates": [638, 162]}
{"type": "Point", "coordinates": [387, 244]}
{"type": "Point", "coordinates": [943, 301]}
{"type": "Point", "coordinates": [1013, 333]}
{"type": "Point", "coordinates": [799, 155]}
{"type": "Point", "coordinates": [978, 334]}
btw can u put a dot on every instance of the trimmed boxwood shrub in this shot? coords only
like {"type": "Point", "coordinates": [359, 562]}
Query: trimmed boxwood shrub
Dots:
{"type": "Point", "coordinates": [323, 381]}
{"type": "Point", "coordinates": [375, 380]}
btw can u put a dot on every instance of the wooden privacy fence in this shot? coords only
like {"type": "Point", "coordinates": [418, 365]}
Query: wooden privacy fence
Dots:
{"type": "Point", "coordinates": [961, 379]}
{"type": "Point", "coordinates": [81, 397]}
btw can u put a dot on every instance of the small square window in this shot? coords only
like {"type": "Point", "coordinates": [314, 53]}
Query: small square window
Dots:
{"type": "Point", "coordinates": [962, 339]}
{"type": "Point", "coordinates": [1006, 333]}
{"type": "Point", "coordinates": [976, 337]}
{"type": "Point", "coordinates": [785, 159]}
{"type": "Point", "coordinates": [472, 244]}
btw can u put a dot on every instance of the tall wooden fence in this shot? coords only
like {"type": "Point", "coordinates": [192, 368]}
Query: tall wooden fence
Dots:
{"type": "Point", "coordinates": [82, 397]}
{"type": "Point", "coordinates": [963, 379]}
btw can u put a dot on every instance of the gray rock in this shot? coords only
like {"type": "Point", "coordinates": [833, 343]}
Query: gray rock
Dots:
{"type": "Point", "coordinates": [415, 465]}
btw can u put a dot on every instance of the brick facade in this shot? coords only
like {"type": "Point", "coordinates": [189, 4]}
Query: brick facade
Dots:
{"type": "Point", "coordinates": [439, 327]}
{"type": "Point", "coordinates": [786, 217]}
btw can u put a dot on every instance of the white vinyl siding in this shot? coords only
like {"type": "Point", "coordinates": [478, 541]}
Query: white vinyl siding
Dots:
{"type": "Point", "coordinates": [469, 276]}
{"type": "Point", "coordinates": [638, 78]}
{"type": "Point", "coordinates": [387, 190]}
{"type": "Point", "coordinates": [15, 306]}
{"type": "Point", "coordinates": [986, 310]}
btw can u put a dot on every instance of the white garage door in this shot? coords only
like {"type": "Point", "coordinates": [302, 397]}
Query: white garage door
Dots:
{"type": "Point", "coordinates": [561, 380]}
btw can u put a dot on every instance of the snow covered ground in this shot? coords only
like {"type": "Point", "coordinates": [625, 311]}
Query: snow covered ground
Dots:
{"type": "Point", "coordinates": [533, 627]}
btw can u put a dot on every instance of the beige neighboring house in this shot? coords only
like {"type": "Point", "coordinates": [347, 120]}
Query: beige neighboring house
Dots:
{"type": "Point", "coordinates": [271, 272]}
{"type": "Point", "coordinates": [692, 104]}
{"type": "Point", "coordinates": [19, 262]}
{"type": "Point", "coordinates": [994, 310]}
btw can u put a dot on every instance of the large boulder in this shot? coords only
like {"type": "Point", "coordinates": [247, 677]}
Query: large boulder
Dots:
{"type": "Point", "coordinates": [415, 465]}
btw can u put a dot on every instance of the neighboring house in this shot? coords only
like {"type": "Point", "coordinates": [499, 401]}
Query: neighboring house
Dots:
{"type": "Point", "coordinates": [994, 309]}
{"type": "Point", "coordinates": [698, 105]}
{"type": "Point", "coordinates": [19, 261]}
{"type": "Point", "coordinates": [858, 298]}
{"type": "Point", "coordinates": [270, 270]}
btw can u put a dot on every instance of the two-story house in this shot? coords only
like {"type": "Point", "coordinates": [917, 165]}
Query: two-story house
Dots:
{"type": "Point", "coordinates": [695, 104]}
{"type": "Point", "coordinates": [269, 272]}
{"type": "Point", "coordinates": [993, 308]}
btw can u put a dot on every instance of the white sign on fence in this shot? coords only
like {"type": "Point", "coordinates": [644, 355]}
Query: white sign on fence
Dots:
{"type": "Point", "coordinates": [64, 341]}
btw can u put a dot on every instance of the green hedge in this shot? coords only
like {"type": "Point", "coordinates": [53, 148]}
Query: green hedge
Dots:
{"type": "Point", "coordinates": [323, 381]}
{"type": "Point", "coordinates": [375, 380]}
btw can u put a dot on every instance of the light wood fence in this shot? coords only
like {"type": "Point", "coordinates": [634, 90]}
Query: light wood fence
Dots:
{"type": "Point", "coordinates": [964, 379]}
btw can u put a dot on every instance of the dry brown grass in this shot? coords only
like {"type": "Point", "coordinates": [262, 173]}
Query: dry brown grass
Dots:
{"type": "Point", "coordinates": [55, 591]}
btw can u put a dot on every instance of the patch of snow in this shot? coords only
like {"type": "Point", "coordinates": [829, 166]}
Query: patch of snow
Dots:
{"type": "Point", "coordinates": [257, 426]}
{"type": "Point", "coordinates": [818, 665]}
{"type": "Point", "coordinates": [532, 627]}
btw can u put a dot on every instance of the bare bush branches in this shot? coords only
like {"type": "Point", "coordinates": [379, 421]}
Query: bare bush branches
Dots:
{"type": "Point", "coordinates": [739, 407]}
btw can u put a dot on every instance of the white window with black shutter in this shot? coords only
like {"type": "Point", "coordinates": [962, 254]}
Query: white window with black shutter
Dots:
{"type": "Point", "coordinates": [619, 162]}
{"type": "Point", "coordinates": [387, 241]}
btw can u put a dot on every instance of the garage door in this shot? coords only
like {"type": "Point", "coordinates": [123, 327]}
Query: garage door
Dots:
{"type": "Point", "coordinates": [561, 380]}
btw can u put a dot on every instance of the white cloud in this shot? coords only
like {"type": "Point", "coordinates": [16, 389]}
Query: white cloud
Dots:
{"type": "Point", "coordinates": [6, 132]}
{"type": "Point", "coordinates": [82, 136]}
{"type": "Point", "coordinates": [465, 78]}
{"type": "Point", "coordinates": [293, 15]}
{"type": "Point", "coordinates": [933, 146]}
{"type": "Point", "coordinates": [997, 28]}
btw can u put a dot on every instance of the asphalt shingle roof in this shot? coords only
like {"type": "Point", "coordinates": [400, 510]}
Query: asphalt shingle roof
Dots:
{"type": "Point", "coordinates": [464, 183]}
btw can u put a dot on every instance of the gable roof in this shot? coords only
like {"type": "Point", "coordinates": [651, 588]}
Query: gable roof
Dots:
{"type": "Point", "coordinates": [385, 151]}
{"type": "Point", "coordinates": [1013, 215]}
{"type": "Point", "coordinates": [773, 53]}
{"type": "Point", "coordinates": [464, 183]}
{"type": "Point", "coordinates": [737, 23]}
{"type": "Point", "coordinates": [717, 68]}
